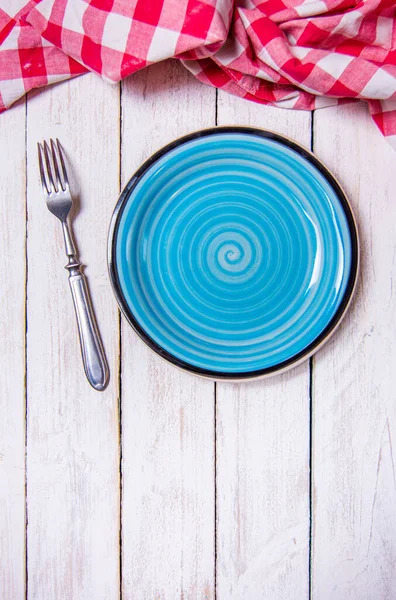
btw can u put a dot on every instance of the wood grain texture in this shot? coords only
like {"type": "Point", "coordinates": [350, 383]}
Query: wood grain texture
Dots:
{"type": "Point", "coordinates": [12, 355]}
{"type": "Point", "coordinates": [354, 542]}
{"type": "Point", "coordinates": [167, 415]}
{"type": "Point", "coordinates": [168, 424]}
{"type": "Point", "coordinates": [72, 432]}
{"type": "Point", "coordinates": [263, 449]}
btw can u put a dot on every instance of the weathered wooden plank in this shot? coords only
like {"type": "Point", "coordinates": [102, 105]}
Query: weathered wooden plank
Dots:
{"type": "Point", "coordinates": [167, 415]}
{"type": "Point", "coordinates": [354, 417]}
{"type": "Point", "coordinates": [72, 433]}
{"type": "Point", "coordinates": [12, 355]}
{"type": "Point", "coordinates": [263, 449]}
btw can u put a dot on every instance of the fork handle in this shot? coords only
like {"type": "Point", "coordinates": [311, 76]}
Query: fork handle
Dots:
{"type": "Point", "coordinates": [94, 359]}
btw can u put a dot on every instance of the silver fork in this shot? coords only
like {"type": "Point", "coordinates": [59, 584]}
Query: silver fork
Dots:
{"type": "Point", "coordinates": [59, 201]}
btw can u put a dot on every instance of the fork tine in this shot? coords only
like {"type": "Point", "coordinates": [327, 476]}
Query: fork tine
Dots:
{"type": "Point", "coordinates": [41, 168]}
{"type": "Point", "coordinates": [56, 166]}
{"type": "Point", "coordinates": [63, 167]}
{"type": "Point", "coordinates": [47, 158]}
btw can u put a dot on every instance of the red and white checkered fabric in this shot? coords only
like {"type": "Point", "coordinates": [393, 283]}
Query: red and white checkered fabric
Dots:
{"type": "Point", "coordinates": [302, 54]}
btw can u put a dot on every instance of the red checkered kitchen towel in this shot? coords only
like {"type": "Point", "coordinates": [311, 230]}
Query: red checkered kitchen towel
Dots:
{"type": "Point", "coordinates": [301, 54]}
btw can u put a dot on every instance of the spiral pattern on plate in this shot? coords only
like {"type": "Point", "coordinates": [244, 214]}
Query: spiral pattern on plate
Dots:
{"type": "Point", "coordinates": [233, 252]}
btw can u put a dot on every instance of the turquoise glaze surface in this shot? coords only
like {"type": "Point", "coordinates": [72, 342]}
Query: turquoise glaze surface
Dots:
{"type": "Point", "coordinates": [233, 252]}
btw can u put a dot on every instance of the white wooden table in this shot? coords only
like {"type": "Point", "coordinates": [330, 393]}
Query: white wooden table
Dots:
{"type": "Point", "coordinates": [167, 486]}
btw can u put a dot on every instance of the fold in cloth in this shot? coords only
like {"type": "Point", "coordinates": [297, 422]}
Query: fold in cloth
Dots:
{"type": "Point", "coordinates": [302, 54]}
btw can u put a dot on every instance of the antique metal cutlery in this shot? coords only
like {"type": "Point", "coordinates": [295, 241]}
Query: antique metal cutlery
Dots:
{"type": "Point", "coordinates": [59, 201]}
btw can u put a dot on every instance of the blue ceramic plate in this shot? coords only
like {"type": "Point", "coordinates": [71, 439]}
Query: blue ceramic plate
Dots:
{"type": "Point", "coordinates": [233, 253]}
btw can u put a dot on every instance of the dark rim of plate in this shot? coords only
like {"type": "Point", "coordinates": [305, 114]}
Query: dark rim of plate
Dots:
{"type": "Point", "coordinates": [318, 341]}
